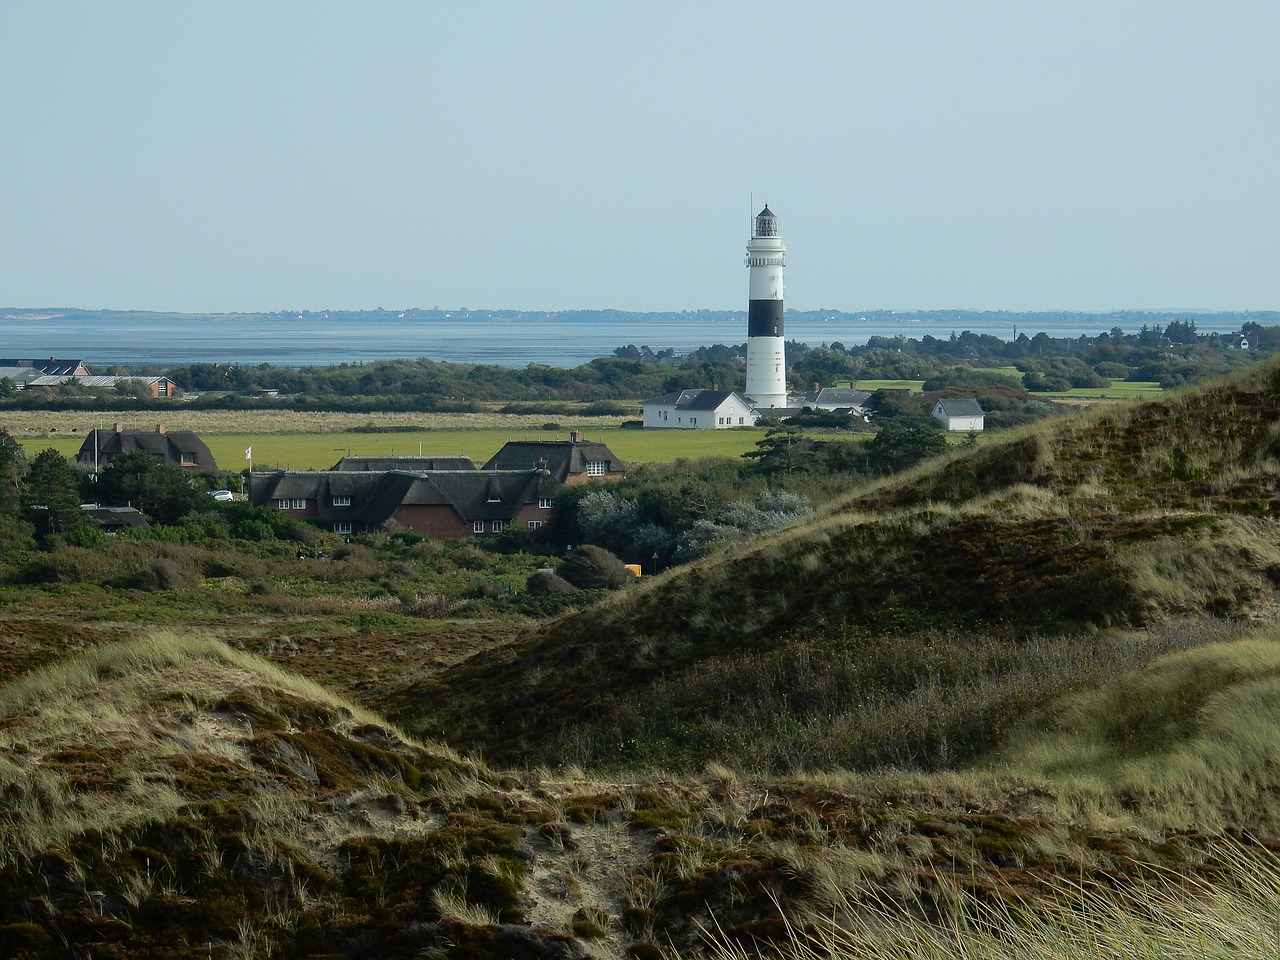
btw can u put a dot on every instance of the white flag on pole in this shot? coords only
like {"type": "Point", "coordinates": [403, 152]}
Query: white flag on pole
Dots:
{"type": "Point", "coordinates": [248, 453]}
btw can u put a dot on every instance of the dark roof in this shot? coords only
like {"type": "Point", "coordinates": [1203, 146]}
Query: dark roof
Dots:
{"type": "Point", "coordinates": [416, 464]}
{"type": "Point", "coordinates": [51, 366]}
{"type": "Point", "coordinates": [166, 444]}
{"type": "Point", "coordinates": [839, 396]}
{"type": "Point", "coordinates": [563, 458]}
{"type": "Point", "coordinates": [498, 495]}
{"type": "Point", "coordinates": [706, 400]}
{"type": "Point", "coordinates": [961, 408]}
{"type": "Point", "coordinates": [766, 212]}
{"type": "Point", "coordinates": [696, 399]}
{"type": "Point", "coordinates": [115, 518]}
{"type": "Point", "coordinates": [778, 413]}
{"type": "Point", "coordinates": [375, 497]}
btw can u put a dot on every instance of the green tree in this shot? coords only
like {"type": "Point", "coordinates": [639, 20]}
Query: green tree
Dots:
{"type": "Point", "coordinates": [51, 494]}
{"type": "Point", "coordinates": [160, 490]}
{"type": "Point", "coordinates": [13, 464]}
{"type": "Point", "coordinates": [898, 447]}
{"type": "Point", "coordinates": [784, 449]}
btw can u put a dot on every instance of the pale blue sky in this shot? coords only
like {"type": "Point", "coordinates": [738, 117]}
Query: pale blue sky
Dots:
{"type": "Point", "coordinates": [245, 156]}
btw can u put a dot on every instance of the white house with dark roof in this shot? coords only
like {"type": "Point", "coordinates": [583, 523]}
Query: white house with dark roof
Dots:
{"type": "Point", "coordinates": [699, 410]}
{"type": "Point", "coordinates": [957, 414]}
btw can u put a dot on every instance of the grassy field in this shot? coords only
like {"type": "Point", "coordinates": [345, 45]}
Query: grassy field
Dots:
{"type": "Point", "coordinates": [317, 441]}
{"type": "Point", "coordinates": [871, 386]}
{"type": "Point", "coordinates": [1119, 390]}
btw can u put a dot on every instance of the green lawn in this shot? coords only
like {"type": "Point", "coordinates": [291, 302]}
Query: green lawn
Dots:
{"type": "Point", "coordinates": [1118, 389]}
{"type": "Point", "coordinates": [319, 451]}
{"type": "Point", "coordinates": [871, 386]}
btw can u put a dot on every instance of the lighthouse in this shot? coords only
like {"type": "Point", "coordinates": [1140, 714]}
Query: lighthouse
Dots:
{"type": "Point", "coordinates": [766, 350]}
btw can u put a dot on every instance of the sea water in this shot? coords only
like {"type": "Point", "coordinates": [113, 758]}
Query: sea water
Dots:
{"type": "Point", "coordinates": [164, 340]}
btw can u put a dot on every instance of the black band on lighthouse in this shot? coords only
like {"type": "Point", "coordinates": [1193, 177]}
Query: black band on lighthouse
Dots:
{"type": "Point", "coordinates": [764, 318]}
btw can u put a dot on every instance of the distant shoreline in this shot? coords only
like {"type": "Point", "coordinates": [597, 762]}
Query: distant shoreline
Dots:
{"type": "Point", "coordinates": [508, 338]}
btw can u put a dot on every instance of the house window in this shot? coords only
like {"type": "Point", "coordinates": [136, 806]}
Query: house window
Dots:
{"type": "Point", "coordinates": [535, 524]}
{"type": "Point", "coordinates": [477, 526]}
{"type": "Point", "coordinates": [342, 526]}
{"type": "Point", "coordinates": [497, 526]}
{"type": "Point", "coordinates": [544, 503]}
{"type": "Point", "coordinates": [187, 459]}
{"type": "Point", "coordinates": [299, 504]}
{"type": "Point", "coordinates": [283, 504]}
{"type": "Point", "coordinates": [597, 468]}
{"type": "Point", "coordinates": [342, 501]}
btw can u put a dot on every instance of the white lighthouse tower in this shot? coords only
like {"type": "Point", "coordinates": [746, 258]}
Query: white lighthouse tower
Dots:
{"type": "Point", "coordinates": [766, 349]}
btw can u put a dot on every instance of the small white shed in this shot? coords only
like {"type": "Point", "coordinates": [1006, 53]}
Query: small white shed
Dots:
{"type": "Point", "coordinates": [966, 415]}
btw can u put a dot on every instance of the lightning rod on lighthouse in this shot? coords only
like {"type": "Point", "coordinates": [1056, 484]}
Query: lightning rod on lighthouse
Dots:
{"type": "Point", "coordinates": [766, 349]}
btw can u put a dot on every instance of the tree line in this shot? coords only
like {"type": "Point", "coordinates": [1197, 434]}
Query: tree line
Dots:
{"type": "Point", "coordinates": [1171, 354]}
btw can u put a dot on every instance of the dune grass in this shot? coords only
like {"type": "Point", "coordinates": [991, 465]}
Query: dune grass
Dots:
{"type": "Point", "coordinates": [1191, 739]}
{"type": "Point", "coordinates": [89, 743]}
{"type": "Point", "coordinates": [1167, 916]}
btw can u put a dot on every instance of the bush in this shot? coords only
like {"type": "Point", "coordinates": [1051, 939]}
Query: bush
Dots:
{"type": "Point", "coordinates": [546, 582]}
{"type": "Point", "coordinates": [593, 568]}
{"type": "Point", "coordinates": [163, 574]}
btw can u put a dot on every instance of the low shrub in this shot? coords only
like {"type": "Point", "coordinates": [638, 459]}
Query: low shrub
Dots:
{"type": "Point", "coordinates": [547, 582]}
{"type": "Point", "coordinates": [591, 567]}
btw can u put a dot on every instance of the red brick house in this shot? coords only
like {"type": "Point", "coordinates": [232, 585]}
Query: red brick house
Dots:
{"type": "Point", "coordinates": [446, 501]}
{"type": "Point", "coordinates": [441, 504]}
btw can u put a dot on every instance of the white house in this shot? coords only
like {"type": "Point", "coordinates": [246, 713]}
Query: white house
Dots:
{"type": "Point", "coordinates": [960, 414]}
{"type": "Point", "coordinates": [699, 410]}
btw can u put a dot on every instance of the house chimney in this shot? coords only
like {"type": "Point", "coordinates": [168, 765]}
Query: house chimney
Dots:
{"type": "Point", "coordinates": [817, 387]}
{"type": "Point", "coordinates": [542, 465]}
{"type": "Point", "coordinates": [575, 436]}
{"type": "Point", "coordinates": [160, 428]}
{"type": "Point", "coordinates": [118, 427]}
